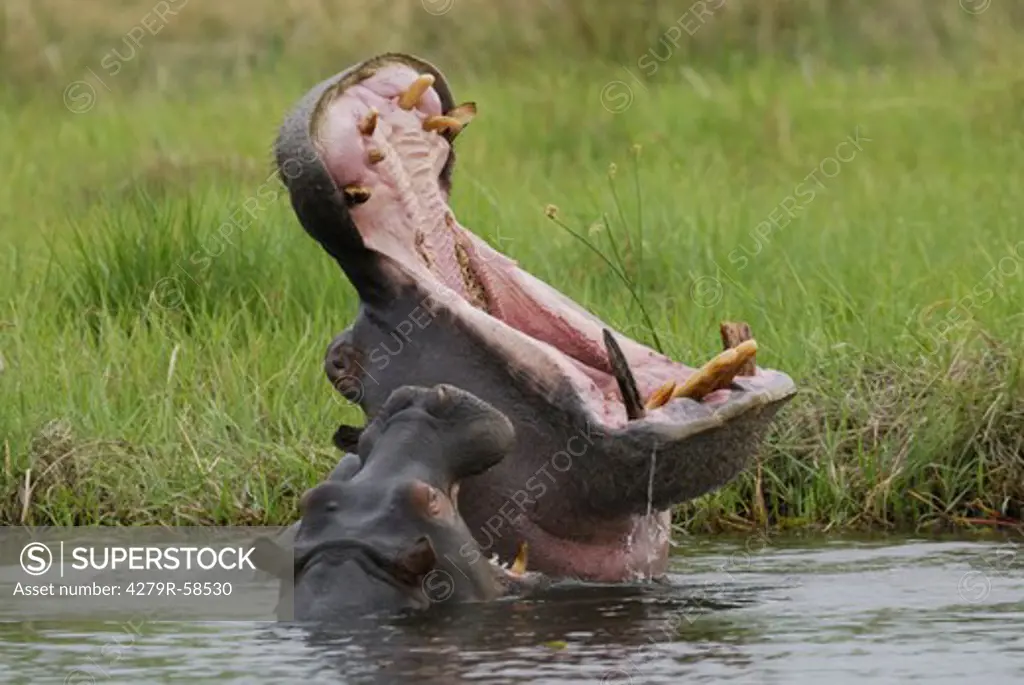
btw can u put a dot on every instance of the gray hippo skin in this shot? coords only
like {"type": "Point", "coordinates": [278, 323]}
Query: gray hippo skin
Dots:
{"type": "Point", "coordinates": [367, 159]}
{"type": "Point", "coordinates": [383, 532]}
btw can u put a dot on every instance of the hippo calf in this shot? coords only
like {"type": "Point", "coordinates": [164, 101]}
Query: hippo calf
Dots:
{"type": "Point", "coordinates": [383, 531]}
{"type": "Point", "coordinates": [609, 433]}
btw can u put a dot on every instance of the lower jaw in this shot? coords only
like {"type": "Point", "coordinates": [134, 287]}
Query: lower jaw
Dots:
{"type": "Point", "coordinates": [638, 555]}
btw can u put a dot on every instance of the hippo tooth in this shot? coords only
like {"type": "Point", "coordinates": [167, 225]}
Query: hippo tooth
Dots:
{"type": "Point", "coordinates": [356, 195]}
{"type": "Point", "coordinates": [369, 123]}
{"type": "Point", "coordinates": [717, 373]}
{"type": "Point", "coordinates": [519, 565]}
{"type": "Point", "coordinates": [442, 123]}
{"type": "Point", "coordinates": [374, 156]}
{"type": "Point", "coordinates": [411, 97]}
{"type": "Point", "coordinates": [734, 333]}
{"type": "Point", "coordinates": [661, 395]}
{"type": "Point", "coordinates": [624, 377]}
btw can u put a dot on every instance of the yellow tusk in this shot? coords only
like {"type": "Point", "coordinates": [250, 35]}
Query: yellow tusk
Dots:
{"type": "Point", "coordinates": [519, 565]}
{"type": "Point", "coordinates": [411, 97]}
{"type": "Point", "coordinates": [718, 372]}
{"type": "Point", "coordinates": [369, 123]}
{"type": "Point", "coordinates": [374, 156]}
{"type": "Point", "coordinates": [356, 195]}
{"type": "Point", "coordinates": [442, 123]}
{"type": "Point", "coordinates": [736, 360]}
{"type": "Point", "coordinates": [660, 396]}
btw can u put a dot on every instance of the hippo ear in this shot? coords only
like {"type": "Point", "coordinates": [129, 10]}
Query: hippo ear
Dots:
{"type": "Point", "coordinates": [347, 467]}
{"type": "Point", "coordinates": [415, 562]}
{"type": "Point", "coordinates": [480, 445]}
{"type": "Point", "coordinates": [480, 435]}
{"type": "Point", "coordinates": [453, 434]}
{"type": "Point", "coordinates": [271, 558]}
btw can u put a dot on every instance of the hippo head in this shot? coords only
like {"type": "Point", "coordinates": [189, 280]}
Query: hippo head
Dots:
{"type": "Point", "coordinates": [383, 531]}
{"type": "Point", "coordinates": [609, 432]}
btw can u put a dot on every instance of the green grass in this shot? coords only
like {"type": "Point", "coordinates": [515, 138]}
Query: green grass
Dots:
{"type": "Point", "coordinates": [156, 372]}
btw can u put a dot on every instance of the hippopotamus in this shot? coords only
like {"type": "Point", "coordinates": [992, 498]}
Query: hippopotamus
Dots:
{"type": "Point", "coordinates": [383, 531]}
{"type": "Point", "coordinates": [609, 433]}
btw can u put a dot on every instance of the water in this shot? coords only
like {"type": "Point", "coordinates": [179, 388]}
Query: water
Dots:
{"type": "Point", "coordinates": [743, 610]}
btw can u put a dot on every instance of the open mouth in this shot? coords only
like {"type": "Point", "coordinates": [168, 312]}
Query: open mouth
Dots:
{"type": "Point", "coordinates": [384, 134]}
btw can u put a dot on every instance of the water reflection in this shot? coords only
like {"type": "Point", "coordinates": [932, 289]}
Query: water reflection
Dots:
{"type": "Point", "coordinates": [611, 629]}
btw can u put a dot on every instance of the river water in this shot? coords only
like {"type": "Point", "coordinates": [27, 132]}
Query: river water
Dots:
{"type": "Point", "coordinates": [737, 610]}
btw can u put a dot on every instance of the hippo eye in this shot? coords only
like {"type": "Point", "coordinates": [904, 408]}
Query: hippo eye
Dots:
{"type": "Point", "coordinates": [306, 502]}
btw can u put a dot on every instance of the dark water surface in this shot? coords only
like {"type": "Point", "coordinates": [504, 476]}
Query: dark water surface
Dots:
{"type": "Point", "coordinates": [745, 610]}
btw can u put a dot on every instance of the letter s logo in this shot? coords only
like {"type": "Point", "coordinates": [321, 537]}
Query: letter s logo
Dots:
{"type": "Point", "coordinates": [36, 558]}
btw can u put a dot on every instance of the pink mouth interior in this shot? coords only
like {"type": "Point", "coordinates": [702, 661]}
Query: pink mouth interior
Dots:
{"type": "Point", "coordinates": [408, 219]}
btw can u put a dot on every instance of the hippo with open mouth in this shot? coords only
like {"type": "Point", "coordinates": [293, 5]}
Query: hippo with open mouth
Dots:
{"type": "Point", "coordinates": [367, 158]}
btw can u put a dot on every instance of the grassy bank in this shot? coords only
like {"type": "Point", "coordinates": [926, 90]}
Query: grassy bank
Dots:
{"type": "Point", "coordinates": [156, 371]}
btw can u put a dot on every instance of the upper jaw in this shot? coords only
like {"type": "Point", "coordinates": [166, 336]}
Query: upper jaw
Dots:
{"type": "Point", "coordinates": [316, 196]}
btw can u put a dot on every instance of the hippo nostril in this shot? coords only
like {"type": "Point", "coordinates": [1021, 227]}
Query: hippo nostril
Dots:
{"type": "Point", "coordinates": [331, 505]}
